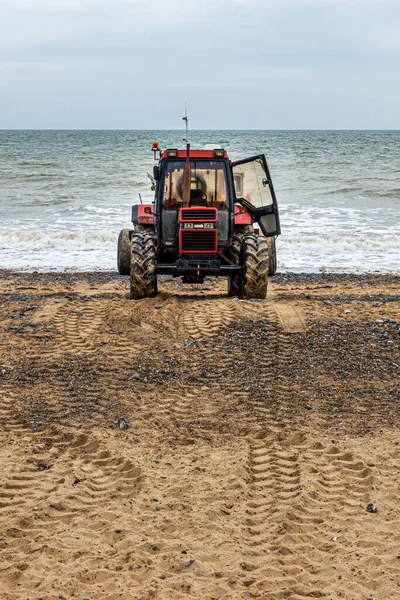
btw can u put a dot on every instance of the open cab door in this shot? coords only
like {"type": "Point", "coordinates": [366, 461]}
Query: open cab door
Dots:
{"type": "Point", "coordinates": [254, 190]}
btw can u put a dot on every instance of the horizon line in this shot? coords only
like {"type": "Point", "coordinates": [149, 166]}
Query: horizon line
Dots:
{"type": "Point", "coordinates": [179, 130]}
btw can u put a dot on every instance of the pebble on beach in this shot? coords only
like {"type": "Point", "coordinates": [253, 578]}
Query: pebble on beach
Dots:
{"type": "Point", "coordinates": [124, 423]}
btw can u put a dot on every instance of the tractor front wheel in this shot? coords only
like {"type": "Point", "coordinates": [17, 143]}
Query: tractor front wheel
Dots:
{"type": "Point", "coordinates": [143, 281]}
{"type": "Point", "coordinates": [124, 252]}
{"type": "Point", "coordinates": [254, 258]}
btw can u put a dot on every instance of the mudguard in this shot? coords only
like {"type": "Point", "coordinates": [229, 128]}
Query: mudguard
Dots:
{"type": "Point", "coordinates": [142, 214]}
{"type": "Point", "coordinates": [242, 217]}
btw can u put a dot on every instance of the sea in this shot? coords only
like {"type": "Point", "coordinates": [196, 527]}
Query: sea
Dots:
{"type": "Point", "coordinates": [65, 195]}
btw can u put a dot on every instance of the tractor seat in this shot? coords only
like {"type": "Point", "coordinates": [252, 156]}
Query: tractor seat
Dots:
{"type": "Point", "coordinates": [197, 198]}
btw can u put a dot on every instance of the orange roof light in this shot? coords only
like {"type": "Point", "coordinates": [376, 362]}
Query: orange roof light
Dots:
{"type": "Point", "coordinates": [155, 146]}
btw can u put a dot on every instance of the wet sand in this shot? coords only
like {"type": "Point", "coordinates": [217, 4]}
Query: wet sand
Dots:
{"type": "Point", "coordinates": [259, 433]}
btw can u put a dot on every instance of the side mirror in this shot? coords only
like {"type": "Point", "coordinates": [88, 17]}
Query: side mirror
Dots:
{"type": "Point", "coordinates": [156, 173]}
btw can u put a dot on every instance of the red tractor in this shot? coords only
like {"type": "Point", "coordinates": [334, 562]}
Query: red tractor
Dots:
{"type": "Point", "coordinates": [205, 221]}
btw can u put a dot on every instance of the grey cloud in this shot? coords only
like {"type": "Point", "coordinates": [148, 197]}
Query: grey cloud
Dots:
{"type": "Point", "coordinates": [243, 63]}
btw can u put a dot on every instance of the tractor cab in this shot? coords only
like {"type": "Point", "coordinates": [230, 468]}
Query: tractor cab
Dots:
{"type": "Point", "coordinates": [209, 197]}
{"type": "Point", "coordinates": [205, 220]}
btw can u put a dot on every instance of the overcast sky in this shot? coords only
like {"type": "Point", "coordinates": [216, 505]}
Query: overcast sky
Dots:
{"type": "Point", "coordinates": [239, 64]}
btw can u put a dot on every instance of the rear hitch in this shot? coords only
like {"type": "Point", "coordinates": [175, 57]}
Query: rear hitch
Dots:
{"type": "Point", "coordinates": [193, 279]}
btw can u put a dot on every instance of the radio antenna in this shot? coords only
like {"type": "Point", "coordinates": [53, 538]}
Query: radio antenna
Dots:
{"type": "Point", "coordinates": [185, 118]}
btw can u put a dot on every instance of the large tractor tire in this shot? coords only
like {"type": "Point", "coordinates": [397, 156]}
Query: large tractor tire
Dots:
{"type": "Point", "coordinates": [143, 281]}
{"type": "Point", "coordinates": [254, 255]}
{"type": "Point", "coordinates": [124, 252]}
{"type": "Point", "coordinates": [272, 261]}
{"type": "Point", "coordinates": [238, 234]}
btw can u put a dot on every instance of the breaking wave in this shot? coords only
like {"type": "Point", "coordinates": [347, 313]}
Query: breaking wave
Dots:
{"type": "Point", "coordinates": [96, 250]}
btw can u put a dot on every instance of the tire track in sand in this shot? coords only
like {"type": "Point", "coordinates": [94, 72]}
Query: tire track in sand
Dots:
{"type": "Point", "coordinates": [205, 318]}
{"type": "Point", "coordinates": [215, 395]}
{"type": "Point", "coordinates": [78, 323]}
{"type": "Point", "coordinates": [9, 401]}
{"type": "Point", "coordinates": [71, 488]}
{"type": "Point", "coordinates": [303, 501]}
{"type": "Point", "coordinates": [302, 495]}
{"type": "Point", "coordinates": [66, 476]}
{"type": "Point", "coordinates": [291, 317]}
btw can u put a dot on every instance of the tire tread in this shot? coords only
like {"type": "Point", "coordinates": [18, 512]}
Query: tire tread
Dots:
{"type": "Point", "coordinates": [143, 280]}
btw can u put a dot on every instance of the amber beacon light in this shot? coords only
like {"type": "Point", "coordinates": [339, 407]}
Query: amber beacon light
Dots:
{"type": "Point", "coordinates": [156, 149]}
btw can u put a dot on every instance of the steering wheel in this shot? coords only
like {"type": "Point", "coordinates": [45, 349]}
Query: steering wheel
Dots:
{"type": "Point", "coordinates": [198, 198]}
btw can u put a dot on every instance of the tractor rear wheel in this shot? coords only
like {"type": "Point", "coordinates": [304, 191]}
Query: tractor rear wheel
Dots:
{"type": "Point", "coordinates": [254, 257]}
{"type": "Point", "coordinates": [143, 281]}
{"type": "Point", "coordinates": [238, 234]}
{"type": "Point", "coordinates": [124, 252]}
{"type": "Point", "coordinates": [272, 261]}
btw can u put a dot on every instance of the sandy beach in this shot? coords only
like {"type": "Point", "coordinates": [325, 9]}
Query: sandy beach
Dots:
{"type": "Point", "coordinates": [260, 432]}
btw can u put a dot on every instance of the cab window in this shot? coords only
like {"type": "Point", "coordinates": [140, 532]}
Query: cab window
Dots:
{"type": "Point", "coordinates": [207, 184]}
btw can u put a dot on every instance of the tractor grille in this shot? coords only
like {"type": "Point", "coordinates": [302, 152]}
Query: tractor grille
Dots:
{"type": "Point", "coordinates": [204, 241]}
{"type": "Point", "coordinates": [199, 214]}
